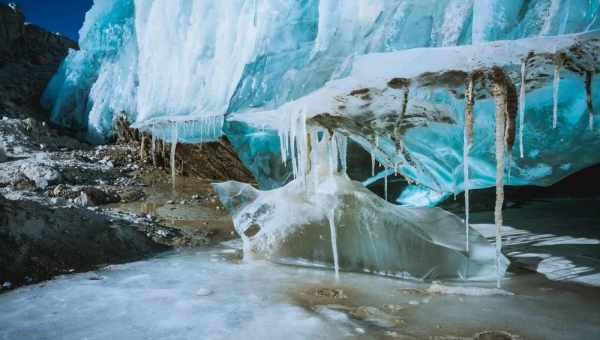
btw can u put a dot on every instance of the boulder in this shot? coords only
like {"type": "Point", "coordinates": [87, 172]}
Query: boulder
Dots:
{"type": "Point", "coordinates": [41, 175]}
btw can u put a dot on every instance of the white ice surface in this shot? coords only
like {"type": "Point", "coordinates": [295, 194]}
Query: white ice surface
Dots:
{"type": "Point", "coordinates": [167, 298]}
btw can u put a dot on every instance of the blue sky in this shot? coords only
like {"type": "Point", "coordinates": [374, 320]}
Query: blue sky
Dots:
{"type": "Point", "coordinates": [63, 16]}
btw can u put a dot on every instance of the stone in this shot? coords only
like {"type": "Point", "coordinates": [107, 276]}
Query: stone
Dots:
{"type": "Point", "coordinates": [41, 175]}
{"type": "Point", "coordinates": [92, 196]}
{"type": "Point", "coordinates": [3, 156]}
{"type": "Point", "coordinates": [131, 195]}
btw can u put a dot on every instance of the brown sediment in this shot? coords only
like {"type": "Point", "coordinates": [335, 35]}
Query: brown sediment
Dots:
{"type": "Point", "coordinates": [359, 92]}
{"type": "Point", "coordinates": [398, 130]}
{"type": "Point", "coordinates": [450, 78]}
{"type": "Point", "coordinates": [398, 83]}
{"type": "Point", "coordinates": [470, 103]}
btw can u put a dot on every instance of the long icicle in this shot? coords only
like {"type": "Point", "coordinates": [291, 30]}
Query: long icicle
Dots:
{"type": "Point", "coordinates": [468, 140]}
{"type": "Point", "coordinates": [555, 89]}
{"type": "Point", "coordinates": [522, 95]}
{"type": "Point", "coordinates": [500, 92]}
{"type": "Point", "coordinates": [500, 121]}
{"type": "Point", "coordinates": [385, 184]}
{"type": "Point", "coordinates": [173, 149]}
{"type": "Point", "coordinates": [336, 264]}
{"type": "Point", "coordinates": [372, 163]}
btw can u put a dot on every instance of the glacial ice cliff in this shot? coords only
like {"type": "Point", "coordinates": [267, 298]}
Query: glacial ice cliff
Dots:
{"type": "Point", "coordinates": [194, 64]}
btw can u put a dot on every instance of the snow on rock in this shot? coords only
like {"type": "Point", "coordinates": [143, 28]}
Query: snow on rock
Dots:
{"type": "Point", "coordinates": [41, 175]}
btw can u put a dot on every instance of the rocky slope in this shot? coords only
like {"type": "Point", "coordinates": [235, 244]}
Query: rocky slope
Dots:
{"type": "Point", "coordinates": [29, 56]}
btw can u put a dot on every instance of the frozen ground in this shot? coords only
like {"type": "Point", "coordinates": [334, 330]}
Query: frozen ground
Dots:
{"type": "Point", "coordinates": [211, 294]}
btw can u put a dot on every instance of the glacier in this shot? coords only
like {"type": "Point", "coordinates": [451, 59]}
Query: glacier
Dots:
{"type": "Point", "coordinates": [196, 64]}
{"type": "Point", "coordinates": [452, 95]}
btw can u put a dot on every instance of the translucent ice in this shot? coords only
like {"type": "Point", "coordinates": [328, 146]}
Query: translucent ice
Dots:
{"type": "Point", "coordinates": [290, 225]}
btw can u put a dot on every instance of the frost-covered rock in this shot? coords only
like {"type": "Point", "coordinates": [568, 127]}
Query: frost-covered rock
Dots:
{"type": "Point", "coordinates": [293, 226]}
{"type": "Point", "coordinates": [41, 175]}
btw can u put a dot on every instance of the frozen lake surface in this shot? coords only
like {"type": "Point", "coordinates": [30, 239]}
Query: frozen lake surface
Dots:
{"type": "Point", "coordinates": [212, 294]}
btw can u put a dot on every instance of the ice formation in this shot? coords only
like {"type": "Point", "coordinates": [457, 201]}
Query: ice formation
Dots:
{"type": "Point", "coordinates": [370, 235]}
{"type": "Point", "coordinates": [255, 55]}
{"type": "Point", "coordinates": [339, 224]}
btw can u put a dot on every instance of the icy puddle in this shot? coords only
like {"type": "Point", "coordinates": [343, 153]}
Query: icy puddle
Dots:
{"type": "Point", "coordinates": [212, 294]}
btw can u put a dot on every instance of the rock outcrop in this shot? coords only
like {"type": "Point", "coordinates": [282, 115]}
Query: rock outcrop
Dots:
{"type": "Point", "coordinates": [213, 160]}
{"type": "Point", "coordinates": [29, 56]}
{"type": "Point", "coordinates": [39, 241]}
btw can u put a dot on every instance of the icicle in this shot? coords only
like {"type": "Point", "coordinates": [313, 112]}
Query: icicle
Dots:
{"type": "Point", "coordinates": [522, 93]}
{"type": "Point", "coordinates": [283, 147]}
{"type": "Point", "coordinates": [385, 184]}
{"type": "Point", "coordinates": [292, 144]}
{"type": "Point", "coordinates": [588, 91]}
{"type": "Point", "coordinates": [173, 149]}
{"type": "Point", "coordinates": [333, 155]}
{"type": "Point", "coordinates": [342, 146]}
{"type": "Point", "coordinates": [556, 85]}
{"type": "Point", "coordinates": [153, 148]}
{"type": "Point", "coordinates": [501, 93]}
{"type": "Point", "coordinates": [468, 140]}
{"type": "Point", "coordinates": [142, 146]}
{"type": "Point", "coordinates": [336, 265]}
{"type": "Point", "coordinates": [314, 158]}
{"type": "Point", "coordinates": [302, 147]}
{"type": "Point", "coordinates": [372, 164]}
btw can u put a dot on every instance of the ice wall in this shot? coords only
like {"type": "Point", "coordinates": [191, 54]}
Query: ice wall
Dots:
{"type": "Point", "coordinates": [189, 63]}
{"type": "Point", "coordinates": [412, 118]}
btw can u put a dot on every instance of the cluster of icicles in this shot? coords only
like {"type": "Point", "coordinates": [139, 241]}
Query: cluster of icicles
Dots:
{"type": "Point", "coordinates": [296, 140]}
{"type": "Point", "coordinates": [307, 148]}
{"type": "Point", "coordinates": [504, 93]}
{"type": "Point", "coordinates": [559, 60]}
{"type": "Point", "coordinates": [209, 128]}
